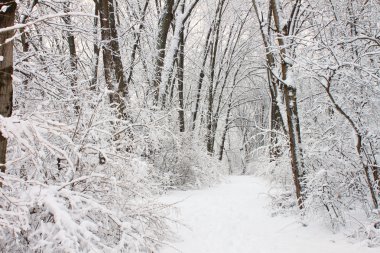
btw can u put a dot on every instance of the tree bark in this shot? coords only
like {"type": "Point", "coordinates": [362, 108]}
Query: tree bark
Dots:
{"type": "Point", "coordinates": [25, 38]}
{"type": "Point", "coordinates": [226, 126]}
{"type": "Point", "coordinates": [201, 76]}
{"type": "Point", "coordinates": [96, 50]}
{"type": "Point", "coordinates": [122, 89]}
{"type": "Point", "coordinates": [106, 45]}
{"type": "Point", "coordinates": [163, 30]}
{"type": "Point", "coordinates": [214, 50]}
{"type": "Point", "coordinates": [289, 93]}
{"type": "Point", "coordinates": [7, 18]}
{"type": "Point", "coordinates": [181, 66]}
{"type": "Point", "coordinates": [73, 56]}
{"type": "Point", "coordinates": [136, 43]}
{"type": "Point", "coordinates": [276, 121]}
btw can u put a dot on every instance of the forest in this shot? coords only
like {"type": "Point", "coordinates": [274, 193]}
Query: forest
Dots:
{"type": "Point", "coordinates": [106, 105]}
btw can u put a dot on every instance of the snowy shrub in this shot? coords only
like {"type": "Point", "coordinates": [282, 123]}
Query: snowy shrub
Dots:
{"type": "Point", "coordinates": [73, 188]}
{"type": "Point", "coordinates": [279, 176]}
{"type": "Point", "coordinates": [36, 217]}
{"type": "Point", "coordinates": [178, 160]}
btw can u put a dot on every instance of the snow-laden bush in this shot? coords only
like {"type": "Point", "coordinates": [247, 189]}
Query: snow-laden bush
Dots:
{"type": "Point", "coordinates": [37, 217]}
{"type": "Point", "coordinates": [178, 160]}
{"type": "Point", "coordinates": [77, 187]}
{"type": "Point", "coordinates": [183, 164]}
{"type": "Point", "coordinates": [279, 176]}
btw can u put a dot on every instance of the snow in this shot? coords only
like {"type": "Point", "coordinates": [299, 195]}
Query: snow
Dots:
{"type": "Point", "coordinates": [234, 217]}
{"type": "Point", "coordinates": [4, 8]}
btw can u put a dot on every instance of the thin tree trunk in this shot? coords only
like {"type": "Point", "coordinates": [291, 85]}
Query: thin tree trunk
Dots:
{"type": "Point", "coordinates": [122, 89]}
{"type": "Point", "coordinates": [359, 146]}
{"type": "Point", "coordinates": [226, 73]}
{"type": "Point", "coordinates": [73, 56]}
{"type": "Point", "coordinates": [24, 37]}
{"type": "Point", "coordinates": [164, 26]}
{"type": "Point", "coordinates": [226, 127]}
{"type": "Point", "coordinates": [23, 20]}
{"type": "Point", "coordinates": [170, 60]}
{"type": "Point", "coordinates": [7, 18]}
{"type": "Point", "coordinates": [181, 66]}
{"type": "Point", "coordinates": [214, 50]}
{"type": "Point", "coordinates": [227, 122]}
{"type": "Point", "coordinates": [201, 76]}
{"type": "Point", "coordinates": [106, 45]}
{"type": "Point", "coordinates": [96, 50]}
{"type": "Point", "coordinates": [136, 43]}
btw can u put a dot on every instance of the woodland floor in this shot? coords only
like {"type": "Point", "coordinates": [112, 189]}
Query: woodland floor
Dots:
{"type": "Point", "coordinates": [234, 217]}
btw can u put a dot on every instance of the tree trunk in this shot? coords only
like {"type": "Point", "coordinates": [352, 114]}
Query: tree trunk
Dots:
{"type": "Point", "coordinates": [359, 147]}
{"type": "Point", "coordinates": [122, 89]}
{"type": "Point", "coordinates": [136, 43]}
{"type": "Point", "coordinates": [163, 30]}
{"type": "Point", "coordinates": [276, 126]}
{"type": "Point", "coordinates": [276, 121]}
{"type": "Point", "coordinates": [96, 50]}
{"type": "Point", "coordinates": [214, 50]}
{"type": "Point", "coordinates": [181, 66]}
{"type": "Point", "coordinates": [25, 38]}
{"type": "Point", "coordinates": [106, 47]}
{"type": "Point", "coordinates": [7, 18]}
{"type": "Point", "coordinates": [290, 96]}
{"type": "Point", "coordinates": [201, 76]}
{"type": "Point", "coordinates": [73, 56]}
{"type": "Point", "coordinates": [171, 59]}
{"type": "Point", "coordinates": [226, 126]}
{"type": "Point", "coordinates": [294, 140]}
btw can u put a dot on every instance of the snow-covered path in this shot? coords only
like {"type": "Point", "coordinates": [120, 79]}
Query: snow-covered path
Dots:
{"type": "Point", "coordinates": [233, 218]}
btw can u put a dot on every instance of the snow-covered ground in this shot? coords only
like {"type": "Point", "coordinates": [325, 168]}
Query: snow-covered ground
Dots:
{"type": "Point", "coordinates": [234, 218]}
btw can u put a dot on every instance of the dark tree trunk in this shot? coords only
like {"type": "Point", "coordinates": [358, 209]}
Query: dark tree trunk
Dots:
{"type": "Point", "coordinates": [290, 95]}
{"type": "Point", "coordinates": [136, 43]}
{"type": "Point", "coordinates": [181, 63]}
{"type": "Point", "coordinates": [73, 56]}
{"type": "Point", "coordinates": [96, 50]}
{"type": "Point", "coordinates": [106, 45]}
{"type": "Point", "coordinates": [24, 18]}
{"type": "Point", "coordinates": [163, 30]}
{"type": "Point", "coordinates": [25, 37]}
{"type": "Point", "coordinates": [214, 49]}
{"type": "Point", "coordinates": [122, 89]}
{"type": "Point", "coordinates": [7, 18]}
{"type": "Point", "coordinates": [226, 126]}
{"type": "Point", "coordinates": [201, 76]}
{"type": "Point", "coordinates": [276, 121]}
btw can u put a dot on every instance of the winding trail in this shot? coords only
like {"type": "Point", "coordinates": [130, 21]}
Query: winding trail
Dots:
{"type": "Point", "coordinates": [234, 217]}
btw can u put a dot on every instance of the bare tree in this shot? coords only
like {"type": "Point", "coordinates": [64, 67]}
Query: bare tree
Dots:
{"type": "Point", "coordinates": [163, 30]}
{"type": "Point", "coordinates": [280, 84]}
